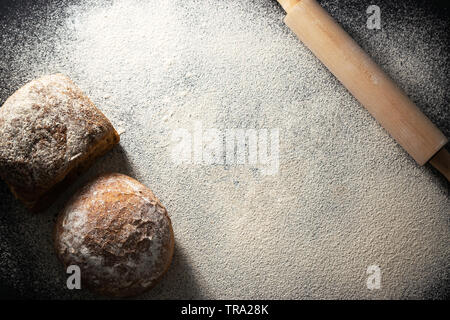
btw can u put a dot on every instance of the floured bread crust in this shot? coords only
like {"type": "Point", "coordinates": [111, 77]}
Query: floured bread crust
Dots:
{"type": "Point", "coordinates": [118, 233]}
{"type": "Point", "coordinates": [49, 130]}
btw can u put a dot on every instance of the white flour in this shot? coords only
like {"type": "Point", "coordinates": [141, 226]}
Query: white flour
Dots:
{"type": "Point", "coordinates": [346, 195]}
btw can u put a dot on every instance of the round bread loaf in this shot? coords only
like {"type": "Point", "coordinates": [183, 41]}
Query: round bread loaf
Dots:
{"type": "Point", "coordinates": [119, 235]}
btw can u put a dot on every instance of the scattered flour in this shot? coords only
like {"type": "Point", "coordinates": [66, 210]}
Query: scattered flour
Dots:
{"type": "Point", "coordinates": [346, 195]}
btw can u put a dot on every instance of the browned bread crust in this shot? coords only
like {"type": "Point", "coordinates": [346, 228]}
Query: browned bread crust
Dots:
{"type": "Point", "coordinates": [118, 233]}
{"type": "Point", "coordinates": [49, 132]}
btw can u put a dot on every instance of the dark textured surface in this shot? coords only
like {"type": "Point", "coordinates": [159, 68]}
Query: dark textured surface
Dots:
{"type": "Point", "coordinates": [28, 266]}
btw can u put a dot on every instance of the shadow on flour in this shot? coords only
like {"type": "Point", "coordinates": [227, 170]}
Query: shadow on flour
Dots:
{"type": "Point", "coordinates": [180, 281]}
{"type": "Point", "coordinates": [17, 267]}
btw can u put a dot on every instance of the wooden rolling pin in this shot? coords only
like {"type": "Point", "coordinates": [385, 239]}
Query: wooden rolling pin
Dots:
{"type": "Point", "coordinates": [387, 103]}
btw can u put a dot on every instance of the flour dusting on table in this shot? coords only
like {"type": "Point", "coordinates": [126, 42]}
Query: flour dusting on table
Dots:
{"type": "Point", "coordinates": [346, 195]}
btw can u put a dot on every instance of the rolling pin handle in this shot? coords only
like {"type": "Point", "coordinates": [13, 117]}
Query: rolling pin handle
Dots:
{"type": "Point", "coordinates": [441, 161]}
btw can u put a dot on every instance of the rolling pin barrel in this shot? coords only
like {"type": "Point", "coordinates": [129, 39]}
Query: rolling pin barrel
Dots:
{"type": "Point", "coordinates": [387, 103]}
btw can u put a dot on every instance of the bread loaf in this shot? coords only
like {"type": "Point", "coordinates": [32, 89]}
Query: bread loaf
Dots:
{"type": "Point", "coordinates": [49, 133]}
{"type": "Point", "coordinates": [119, 235]}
